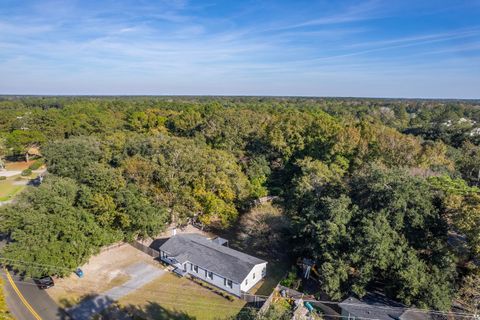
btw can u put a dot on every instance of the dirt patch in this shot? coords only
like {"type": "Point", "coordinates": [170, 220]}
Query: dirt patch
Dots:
{"type": "Point", "coordinates": [141, 274]}
{"type": "Point", "coordinates": [18, 166]}
{"type": "Point", "coordinates": [105, 271]}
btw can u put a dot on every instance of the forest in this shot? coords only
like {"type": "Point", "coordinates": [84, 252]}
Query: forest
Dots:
{"type": "Point", "coordinates": [379, 192]}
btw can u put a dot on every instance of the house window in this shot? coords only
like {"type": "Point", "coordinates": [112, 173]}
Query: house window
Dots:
{"type": "Point", "coordinates": [185, 267]}
{"type": "Point", "coordinates": [264, 271]}
{"type": "Point", "coordinates": [246, 281]}
{"type": "Point", "coordinates": [195, 268]}
{"type": "Point", "coordinates": [253, 275]}
{"type": "Point", "coordinates": [191, 267]}
{"type": "Point", "coordinates": [210, 275]}
{"type": "Point", "coordinates": [229, 283]}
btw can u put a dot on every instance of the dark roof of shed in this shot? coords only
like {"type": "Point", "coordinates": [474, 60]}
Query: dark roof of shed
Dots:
{"type": "Point", "coordinates": [377, 306]}
{"type": "Point", "coordinates": [223, 261]}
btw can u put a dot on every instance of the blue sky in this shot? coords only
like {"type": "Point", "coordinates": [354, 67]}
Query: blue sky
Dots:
{"type": "Point", "coordinates": [372, 48]}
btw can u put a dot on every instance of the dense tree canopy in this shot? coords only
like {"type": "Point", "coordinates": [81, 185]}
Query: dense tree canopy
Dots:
{"type": "Point", "coordinates": [383, 227]}
{"type": "Point", "coordinates": [373, 190]}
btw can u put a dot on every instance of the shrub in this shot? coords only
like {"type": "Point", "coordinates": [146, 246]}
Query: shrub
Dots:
{"type": "Point", "coordinates": [26, 172]}
{"type": "Point", "coordinates": [3, 178]}
{"type": "Point", "coordinates": [37, 164]}
{"type": "Point", "coordinates": [291, 280]}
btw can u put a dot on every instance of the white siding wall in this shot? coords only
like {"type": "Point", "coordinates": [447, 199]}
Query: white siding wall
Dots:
{"type": "Point", "coordinates": [260, 271]}
{"type": "Point", "coordinates": [217, 281]}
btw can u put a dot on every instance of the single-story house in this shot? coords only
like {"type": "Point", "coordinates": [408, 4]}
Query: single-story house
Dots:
{"type": "Point", "coordinates": [377, 306]}
{"type": "Point", "coordinates": [210, 261]}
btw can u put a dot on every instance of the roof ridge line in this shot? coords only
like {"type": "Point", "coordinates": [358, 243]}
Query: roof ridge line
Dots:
{"type": "Point", "coordinates": [231, 255]}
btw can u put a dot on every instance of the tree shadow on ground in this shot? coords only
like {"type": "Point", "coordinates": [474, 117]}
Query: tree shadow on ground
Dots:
{"type": "Point", "coordinates": [248, 312]}
{"type": "Point", "coordinates": [89, 307]}
{"type": "Point", "coordinates": [154, 311]}
{"type": "Point", "coordinates": [105, 308]}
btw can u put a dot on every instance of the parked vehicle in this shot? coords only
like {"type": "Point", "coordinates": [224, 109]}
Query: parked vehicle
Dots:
{"type": "Point", "coordinates": [45, 282]}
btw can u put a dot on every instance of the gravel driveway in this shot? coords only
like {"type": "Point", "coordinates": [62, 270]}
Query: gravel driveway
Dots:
{"type": "Point", "coordinates": [140, 273]}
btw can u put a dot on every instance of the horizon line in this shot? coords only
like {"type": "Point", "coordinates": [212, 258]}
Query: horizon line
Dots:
{"type": "Point", "coordinates": [235, 96]}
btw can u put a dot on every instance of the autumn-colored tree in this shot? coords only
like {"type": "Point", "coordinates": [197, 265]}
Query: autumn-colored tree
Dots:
{"type": "Point", "coordinates": [469, 294]}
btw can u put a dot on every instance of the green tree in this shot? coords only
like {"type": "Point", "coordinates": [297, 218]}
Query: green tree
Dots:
{"type": "Point", "coordinates": [383, 226]}
{"type": "Point", "coordinates": [50, 236]}
{"type": "Point", "coordinates": [469, 163]}
{"type": "Point", "coordinates": [258, 171]}
{"type": "Point", "coordinates": [20, 141]}
{"type": "Point", "coordinates": [150, 120]}
{"type": "Point", "coordinates": [72, 157]}
{"type": "Point", "coordinates": [462, 207]}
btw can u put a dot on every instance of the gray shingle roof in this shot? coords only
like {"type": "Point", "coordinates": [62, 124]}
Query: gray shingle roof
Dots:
{"type": "Point", "coordinates": [223, 261]}
{"type": "Point", "coordinates": [378, 306]}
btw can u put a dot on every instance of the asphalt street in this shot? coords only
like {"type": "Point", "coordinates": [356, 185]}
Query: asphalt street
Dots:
{"type": "Point", "coordinates": [38, 299]}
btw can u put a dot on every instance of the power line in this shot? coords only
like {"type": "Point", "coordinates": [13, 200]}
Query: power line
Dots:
{"type": "Point", "coordinates": [228, 306]}
{"type": "Point", "coordinates": [96, 282]}
{"type": "Point", "coordinates": [431, 311]}
{"type": "Point", "coordinates": [317, 301]}
{"type": "Point", "coordinates": [191, 303]}
{"type": "Point", "coordinates": [86, 291]}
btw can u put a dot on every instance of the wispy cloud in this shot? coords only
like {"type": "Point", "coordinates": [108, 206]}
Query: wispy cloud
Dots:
{"type": "Point", "coordinates": [163, 44]}
{"type": "Point", "coordinates": [357, 12]}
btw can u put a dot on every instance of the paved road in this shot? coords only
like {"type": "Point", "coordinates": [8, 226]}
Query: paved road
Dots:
{"type": "Point", "coordinates": [10, 173]}
{"type": "Point", "coordinates": [140, 273]}
{"type": "Point", "coordinates": [38, 299]}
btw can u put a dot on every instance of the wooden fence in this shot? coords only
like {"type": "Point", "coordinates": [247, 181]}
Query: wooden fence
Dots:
{"type": "Point", "coordinates": [268, 302]}
{"type": "Point", "coordinates": [253, 300]}
{"type": "Point", "coordinates": [151, 252]}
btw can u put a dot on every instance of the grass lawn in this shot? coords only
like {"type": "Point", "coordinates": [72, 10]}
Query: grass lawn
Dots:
{"type": "Point", "coordinates": [181, 296]}
{"type": "Point", "coordinates": [8, 189]}
{"type": "Point", "coordinates": [276, 271]}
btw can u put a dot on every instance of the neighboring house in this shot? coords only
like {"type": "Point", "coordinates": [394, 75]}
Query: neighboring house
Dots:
{"type": "Point", "coordinates": [225, 268]}
{"type": "Point", "coordinates": [378, 306]}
